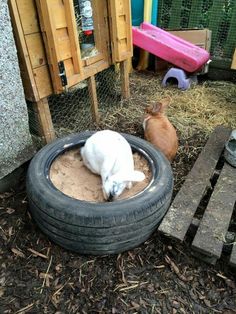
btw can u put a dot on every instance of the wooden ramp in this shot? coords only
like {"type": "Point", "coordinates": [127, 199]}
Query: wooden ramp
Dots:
{"type": "Point", "coordinates": [206, 203]}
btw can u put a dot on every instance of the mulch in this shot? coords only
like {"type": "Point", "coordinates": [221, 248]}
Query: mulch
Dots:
{"type": "Point", "coordinates": [159, 276]}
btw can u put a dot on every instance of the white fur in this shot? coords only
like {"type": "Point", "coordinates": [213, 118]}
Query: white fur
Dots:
{"type": "Point", "coordinates": [145, 122]}
{"type": "Point", "coordinates": [108, 154]}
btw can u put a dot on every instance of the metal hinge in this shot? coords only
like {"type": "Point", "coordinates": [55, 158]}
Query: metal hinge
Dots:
{"type": "Point", "coordinates": [62, 72]}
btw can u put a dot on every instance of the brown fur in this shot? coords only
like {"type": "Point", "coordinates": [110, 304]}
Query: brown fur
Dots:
{"type": "Point", "coordinates": [159, 131]}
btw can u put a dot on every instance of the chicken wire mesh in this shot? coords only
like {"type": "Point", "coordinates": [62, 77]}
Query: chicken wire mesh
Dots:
{"type": "Point", "coordinates": [218, 16]}
{"type": "Point", "coordinates": [71, 111]}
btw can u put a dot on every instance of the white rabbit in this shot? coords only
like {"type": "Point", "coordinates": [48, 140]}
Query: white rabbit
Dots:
{"type": "Point", "coordinates": [108, 154]}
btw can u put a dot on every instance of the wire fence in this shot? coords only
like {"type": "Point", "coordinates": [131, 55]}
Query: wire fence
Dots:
{"type": "Point", "coordinates": [71, 110]}
{"type": "Point", "coordinates": [218, 16]}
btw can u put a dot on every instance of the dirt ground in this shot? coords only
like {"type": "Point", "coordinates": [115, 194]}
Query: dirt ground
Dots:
{"type": "Point", "coordinates": [159, 276]}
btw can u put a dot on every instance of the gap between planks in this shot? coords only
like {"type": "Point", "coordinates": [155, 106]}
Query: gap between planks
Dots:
{"type": "Point", "coordinates": [210, 236]}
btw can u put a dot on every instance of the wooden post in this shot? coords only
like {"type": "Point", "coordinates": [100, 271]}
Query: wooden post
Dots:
{"type": "Point", "coordinates": [233, 65]}
{"type": "Point", "coordinates": [41, 107]}
{"type": "Point", "coordinates": [93, 98]}
{"type": "Point", "coordinates": [124, 72]}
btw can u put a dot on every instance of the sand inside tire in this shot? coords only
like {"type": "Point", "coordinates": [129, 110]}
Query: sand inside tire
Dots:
{"type": "Point", "coordinates": [70, 176]}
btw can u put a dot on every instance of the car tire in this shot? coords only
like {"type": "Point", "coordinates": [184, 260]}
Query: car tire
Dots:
{"type": "Point", "coordinates": [98, 228]}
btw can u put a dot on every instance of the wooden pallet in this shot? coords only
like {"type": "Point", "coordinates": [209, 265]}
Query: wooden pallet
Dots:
{"type": "Point", "coordinates": [205, 203]}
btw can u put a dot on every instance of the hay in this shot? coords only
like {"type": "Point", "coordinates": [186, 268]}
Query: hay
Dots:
{"type": "Point", "coordinates": [194, 113]}
{"type": "Point", "coordinates": [199, 109]}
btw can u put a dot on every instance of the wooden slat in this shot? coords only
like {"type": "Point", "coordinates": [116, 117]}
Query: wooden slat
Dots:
{"type": "Point", "coordinates": [232, 260]}
{"type": "Point", "coordinates": [90, 71]}
{"type": "Point", "coordinates": [214, 224]}
{"type": "Point", "coordinates": [63, 44]}
{"type": "Point", "coordinates": [233, 65]}
{"type": "Point", "coordinates": [57, 20]}
{"type": "Point", "coordinates": [124, 71]}
{"type": "Point", "coordinates": [43, 81]}
{"type": "Point", "coordinates": [44, 116]}
{"type": "Point", "coordinates": [99, 56]}
{"type": "Point", "coordinates": [105, 29]}
{"type": "Point", "coordinates": [28, 16]}
{"type": "Point", "coordinates": [95, 68]}
{"type": "Point", "coordinates": [179, 216]}
{"type": "Point", "coordinates": [101, 31]}
{"type": "Point", "coordinates": [36, 50]}
{"type": "Point", "coordinates": [73, 36]}
{"type": "Point", "coordinates": [121, 28]}
{"type": "Point", "coordinates": [57, 8]}
{"type": "Point", "coordinates": [30, 89]}
{"type": "Point", "coordinates": [93, 98]}
{"type": "Point", "coordinates": [50, 39]}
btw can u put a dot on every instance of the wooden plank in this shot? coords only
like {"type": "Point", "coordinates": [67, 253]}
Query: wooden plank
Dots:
{"type": "Point", "coordinates": [95, 68]}
{"type": "Point", "coordinates": [99, 56]}
{"type": "Point", "coordinates": [28, 16]}
{"type": "Point", "coordinates": [105, 29]}
{"type": "Point", "coordinates": [50, 40]}
{"type": "Point", "coordinates": [30, 89]}
{"type": "Point", "coordinates": [93, 98]}
{"type": "Point", "coordinates": [73, 36]}
{"type": "Point", "coordinates": [232, 260]}
{"type": "Point", "coordinates": [229, 236]}
{"type": "Point", "coordinates": [233, 65]}
{"type": "Point", "coordinates": [34, 43]}
{"type": "Point", "coordinates": [90, 71]}
{"type": "Point", "coordinates": [216, 219]}
{"type": "Point", "coordinates": [61, 39]}
{"type": "Point", "coordinates": [57, 8]}
{"type": "Point", "coordinates": [120, 24]}
{"type": "Point", "coordinates": [179, 216]}
{"type": "Point", "coordinates": [44, 116]}
{"type": "Point", "coordinates": [101, 31]}
{"type": "Point", "coordinates": [63, 44]}
{"type": "Point", "coordinates": [43, 81]}
{"type": "Point", "coordinates": [124, 72]}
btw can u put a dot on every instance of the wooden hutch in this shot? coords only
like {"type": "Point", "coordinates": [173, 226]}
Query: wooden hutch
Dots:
{"type": "Point", "coordinates": [49, 50]}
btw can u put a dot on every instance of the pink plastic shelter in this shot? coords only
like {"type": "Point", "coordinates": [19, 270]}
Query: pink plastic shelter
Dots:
{"type": "Point", "coordinates": [170, 48]}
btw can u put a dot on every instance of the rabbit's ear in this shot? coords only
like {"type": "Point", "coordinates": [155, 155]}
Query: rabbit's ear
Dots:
{"type": "Point", "coordinates": [160, 106]}
{"type": "Point", "coordinates": [135, 176]}
{"type": "Point", "coordinates": [165, 102]}
{"type": "Point", "coordinates": [157, 108]}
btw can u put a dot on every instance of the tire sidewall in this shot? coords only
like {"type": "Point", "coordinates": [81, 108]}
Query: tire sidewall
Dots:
{"type": "Point", "coordinates": [44, 194]}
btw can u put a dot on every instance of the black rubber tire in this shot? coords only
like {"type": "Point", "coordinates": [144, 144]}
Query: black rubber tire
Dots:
{"type": "Point", "coordinates": [97, 228]}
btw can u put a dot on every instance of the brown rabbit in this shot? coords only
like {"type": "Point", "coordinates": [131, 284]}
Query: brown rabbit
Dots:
{"type": "Point", "coordinates": [159, 131]}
